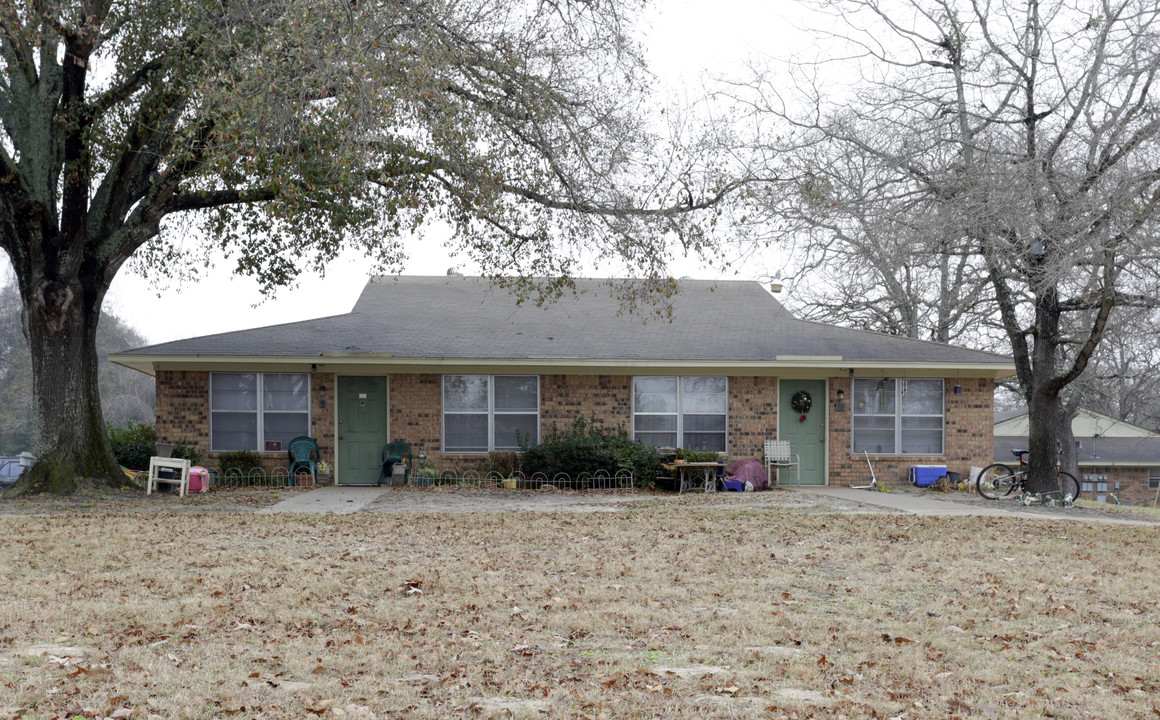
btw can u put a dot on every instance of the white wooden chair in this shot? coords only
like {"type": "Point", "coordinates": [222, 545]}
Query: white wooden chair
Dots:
{"type": "Point", "coordinates": [778, 455]}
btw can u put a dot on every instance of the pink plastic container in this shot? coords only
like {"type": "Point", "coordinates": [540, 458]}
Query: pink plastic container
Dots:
{"type": "Point", "coordinates": [198, 479]}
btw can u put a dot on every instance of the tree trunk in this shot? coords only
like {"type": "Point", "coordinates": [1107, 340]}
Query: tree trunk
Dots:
{"type": "Point", "coordinates": [1045, 416]}
{"type": "Point", "coordinates": [1069, 451]}
{"type": "Point", "coordinates": [72, 446]}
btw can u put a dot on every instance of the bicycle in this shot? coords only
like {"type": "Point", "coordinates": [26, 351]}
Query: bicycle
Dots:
{"type": "Point", "coordinates": [998, 480]}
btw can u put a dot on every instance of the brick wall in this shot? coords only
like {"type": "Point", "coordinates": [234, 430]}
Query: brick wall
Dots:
{"type": "Point", "coordinates": [183, 408]}
{"type": "Point", "coordinates": [968, 436]}
{"type": "Point", "coordinates": [1133, 484]}
{"type": "Point", "coordinates": [415, 418]}
{"type": "Point", "coordinates": [607, 398]}
{"type": "Point", "coordinates": [183, 414]}
{"type": "Point", "coordinates": [416, 411]}
{"type": "Point", "coordinates": [322, 394]}
{"type": "Point", "coordinates": [752, 416]}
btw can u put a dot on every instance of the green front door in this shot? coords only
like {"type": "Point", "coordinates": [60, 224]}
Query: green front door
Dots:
{"type": "Point", "coordinates": [362, 428]}
{"type": "Point", "coordinates": [807, 438]}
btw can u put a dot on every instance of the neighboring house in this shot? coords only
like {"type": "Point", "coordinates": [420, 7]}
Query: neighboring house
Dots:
{"type": "Point", "coordinates": [1116, 458]}
{"type": "Point", "coordinates": [455, 367]}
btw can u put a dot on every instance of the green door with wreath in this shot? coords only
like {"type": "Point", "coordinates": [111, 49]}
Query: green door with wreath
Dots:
{"type": "Point", "coordinates": [806, 431]}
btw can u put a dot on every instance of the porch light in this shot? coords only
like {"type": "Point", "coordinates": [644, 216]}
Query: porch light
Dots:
{"type": "Point", "coordinates": [958, 389]}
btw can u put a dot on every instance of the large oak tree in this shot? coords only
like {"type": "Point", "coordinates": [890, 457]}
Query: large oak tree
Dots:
{"type": "Point", "coordinates": [1017, 138]}
{"type": "Point", "coordinates": [284, 131]}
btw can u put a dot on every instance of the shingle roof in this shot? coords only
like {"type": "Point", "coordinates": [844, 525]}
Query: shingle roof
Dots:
{"type": "Point", "coordinates": [1104, 452]}
{"type": "Point", "coordinates": [470, 318]}
{"type": "Point", "coordinates": [1005, 415]}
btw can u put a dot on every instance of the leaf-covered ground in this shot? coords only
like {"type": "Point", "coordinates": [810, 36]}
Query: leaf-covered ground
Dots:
{"type": "Point", "coordinates": [680, 610]}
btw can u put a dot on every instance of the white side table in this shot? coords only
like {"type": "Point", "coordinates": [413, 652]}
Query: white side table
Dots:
{"type": "Point", "coordinates": [178, 464]}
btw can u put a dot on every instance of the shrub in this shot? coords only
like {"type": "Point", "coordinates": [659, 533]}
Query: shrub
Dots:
{"type": "Point", "coordinates": [243, 460]}
{"type": "Point", "coordinates": [587, 447]}
{"type": "Point", "coordinates": [696, 455]}
{"type": "Point", "coordinates": [182, 449]}
{"type": "Point", "coordinates": [503, 463]}
{"type": "Point", "coordinates": [136, 442]}
{"type": "Point", "coordinates": [133, 444]}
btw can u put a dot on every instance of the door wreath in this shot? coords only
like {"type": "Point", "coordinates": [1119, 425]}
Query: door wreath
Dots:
{"type": "Point", "coordinates": [801, 402]}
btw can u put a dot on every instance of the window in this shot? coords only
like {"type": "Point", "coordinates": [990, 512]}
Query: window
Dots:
{"type": "Point", "coordinates": [482, 413]}
{"type": "Point", "coordinates": [684, 412]}
{"type": "Point", "coordinates": [1154, 479]}
{"type": "Point", "coordinates": [898, 416]}
{"type": "Point", "coordinates": [239, 421]}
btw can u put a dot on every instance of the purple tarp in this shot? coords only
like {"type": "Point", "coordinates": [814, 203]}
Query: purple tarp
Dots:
{"type": "Point", "coordinates": [750, 470]}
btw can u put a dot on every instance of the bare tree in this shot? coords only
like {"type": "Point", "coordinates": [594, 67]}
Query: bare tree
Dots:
{"type": "Point", "coordinates": [287, 130]}
{"type": "Point", "coordinates": [1123, 380]}
{"type": "Point", "coordinates": [867, 257]}
{"type": "Point", "coordinates": [1028, 131]}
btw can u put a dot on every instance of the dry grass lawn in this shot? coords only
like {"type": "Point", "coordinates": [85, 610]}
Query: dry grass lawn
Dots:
{"type": "Point", "coordinates": [682, 611]}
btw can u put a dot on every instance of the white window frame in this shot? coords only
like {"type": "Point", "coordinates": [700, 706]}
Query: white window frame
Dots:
{"type": "Point", "coordinates": [1154, 478]}
{"type": "Point", "coordinates": [259, 390]}
{"type": "Point", "coordinates": [491, 413]}
{"type": "Point", "coordinates": [900, 388]}
{"type": "Point", "coordinates": [680, 411]}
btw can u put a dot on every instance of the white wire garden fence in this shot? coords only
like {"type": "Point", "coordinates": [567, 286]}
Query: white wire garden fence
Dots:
{"type": "Point", "coordinates": [600, 481]}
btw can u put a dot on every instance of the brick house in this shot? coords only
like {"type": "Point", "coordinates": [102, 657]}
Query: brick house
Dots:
{"type": "Point", "coordinates": [1118, 461]}
{"type": "Point", "coordinates": [456, 368]}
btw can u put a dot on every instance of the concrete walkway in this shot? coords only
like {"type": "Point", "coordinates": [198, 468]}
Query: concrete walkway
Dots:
{"type": "Point", "coordinates": [329, 500]}
{"type": "Point", "coordinates": [916, 504]}
{"type": "Point", "coordinates": [343, 500]}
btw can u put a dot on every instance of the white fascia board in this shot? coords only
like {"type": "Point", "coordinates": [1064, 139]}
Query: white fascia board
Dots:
{"type": "Point", "coordinates": [353, 363]}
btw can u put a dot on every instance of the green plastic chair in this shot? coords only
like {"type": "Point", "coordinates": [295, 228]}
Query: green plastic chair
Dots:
{"type": "Point", "coordinates": [394, 453]}
{"type": "Point", "coordinates": [303, 451]}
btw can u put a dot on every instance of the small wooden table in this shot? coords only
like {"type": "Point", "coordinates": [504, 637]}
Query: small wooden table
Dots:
{"type": "Point", "coordinates": [178, 464]}
{"type": "Point", "coordinates": [696, 475]}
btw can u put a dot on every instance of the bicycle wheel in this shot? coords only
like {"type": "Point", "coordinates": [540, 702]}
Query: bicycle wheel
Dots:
{"type": "Point", "coordinates": [1070, 487]}
{"type": "Point", "coordinates": [996, 481]}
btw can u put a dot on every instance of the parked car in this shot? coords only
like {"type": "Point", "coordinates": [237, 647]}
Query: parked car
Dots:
{"type": "Point", "coordinates": [10, 470]}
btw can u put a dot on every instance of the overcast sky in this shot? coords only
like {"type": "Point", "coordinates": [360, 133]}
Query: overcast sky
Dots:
{"type": "Point", "coordinates": [684, 38]}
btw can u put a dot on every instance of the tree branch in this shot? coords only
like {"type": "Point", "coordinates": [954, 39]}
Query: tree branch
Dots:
{"type": "Point", "coordinates": [199, 200]}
